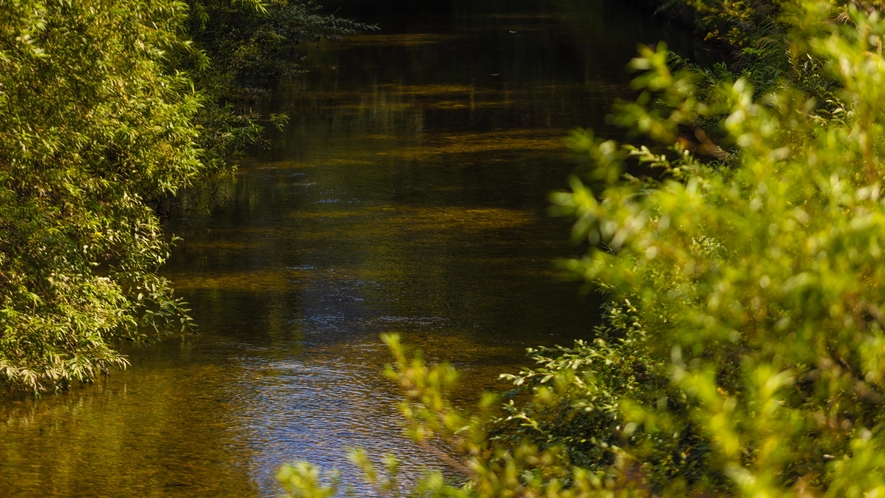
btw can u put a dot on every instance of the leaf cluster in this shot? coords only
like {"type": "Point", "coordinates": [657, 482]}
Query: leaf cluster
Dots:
{"type": "Point", "coordinates": [94, 125]}
{"type": "Point", "coordinates": [760, 279]}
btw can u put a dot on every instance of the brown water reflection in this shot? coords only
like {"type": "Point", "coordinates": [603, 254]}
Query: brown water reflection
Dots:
{"type": "Point", "coordinates": [408, 194]}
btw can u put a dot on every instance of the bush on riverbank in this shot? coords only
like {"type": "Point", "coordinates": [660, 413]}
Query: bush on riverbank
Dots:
{"type": "Point", "coordinates": [745, 350]}
{"type": "Point", "coordinates": [94, 124]}
{"type": "Point", "coordinates": [108, 110]}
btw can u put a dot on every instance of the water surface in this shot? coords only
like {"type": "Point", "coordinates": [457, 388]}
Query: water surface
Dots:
{"type": "Point", "coordinates": [407, 194]}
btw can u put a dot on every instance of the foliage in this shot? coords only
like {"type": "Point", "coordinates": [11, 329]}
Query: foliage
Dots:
{"type": "Point", "coordinates": [750, 362]}
{"type": "Point", "coordinates": [94, 125]}
{"type": "Point", "coordinates": [584, 414]}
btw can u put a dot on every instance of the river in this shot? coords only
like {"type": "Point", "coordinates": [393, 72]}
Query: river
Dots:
{"type": "Point", "coordinates": [407, 194]}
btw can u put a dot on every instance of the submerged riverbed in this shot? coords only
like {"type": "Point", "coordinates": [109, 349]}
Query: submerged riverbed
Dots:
{"type": "Point", "coordinates": [407, 194]}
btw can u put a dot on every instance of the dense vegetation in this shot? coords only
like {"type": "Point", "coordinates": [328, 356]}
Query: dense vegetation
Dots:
{"type": "Point", "coordinates": [744, 351]}
{"type": "Point", "coordinates": [108, 109]}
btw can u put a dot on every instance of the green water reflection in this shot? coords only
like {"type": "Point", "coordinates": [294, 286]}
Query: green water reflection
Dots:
{"type": "Point", "coordinates": [408, 194]}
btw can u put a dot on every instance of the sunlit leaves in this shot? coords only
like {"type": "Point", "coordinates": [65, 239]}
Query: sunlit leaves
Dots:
{"type": "Point", "coordinates": [766, 278]}
{"type": "Point", "coordinates": [95, 126]}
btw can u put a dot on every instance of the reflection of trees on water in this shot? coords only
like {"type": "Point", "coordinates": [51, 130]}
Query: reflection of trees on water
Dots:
{"type": "Point", "coordinates": [154, 432]}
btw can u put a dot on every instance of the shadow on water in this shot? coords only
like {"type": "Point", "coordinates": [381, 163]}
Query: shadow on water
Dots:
{"type": "Point", "coordinates": [408, 194]}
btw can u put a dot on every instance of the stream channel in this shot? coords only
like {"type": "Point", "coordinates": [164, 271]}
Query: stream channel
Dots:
{"type": "Point", "coordinates": [407, 194]}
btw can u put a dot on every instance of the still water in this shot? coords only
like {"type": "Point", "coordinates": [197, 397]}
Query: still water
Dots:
{"type": "Point", "coordinates": [407, 194]}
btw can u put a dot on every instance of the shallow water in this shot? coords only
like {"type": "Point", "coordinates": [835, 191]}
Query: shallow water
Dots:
{"type": "Point", "coordinates": [407, 194]}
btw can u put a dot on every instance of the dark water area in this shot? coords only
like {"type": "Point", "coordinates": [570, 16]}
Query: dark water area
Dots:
{"type": "Point", "coordinates": [408, 194]}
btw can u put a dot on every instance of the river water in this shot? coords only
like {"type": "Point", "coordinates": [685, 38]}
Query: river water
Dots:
{"type": "Point", "coordinates": [407, 194]}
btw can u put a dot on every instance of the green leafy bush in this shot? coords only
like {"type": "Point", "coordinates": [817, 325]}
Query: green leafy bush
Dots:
{"type": "Point", "coordinates": [94, 125]}
{"type": "Point", "coordinates": [745, 353]}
